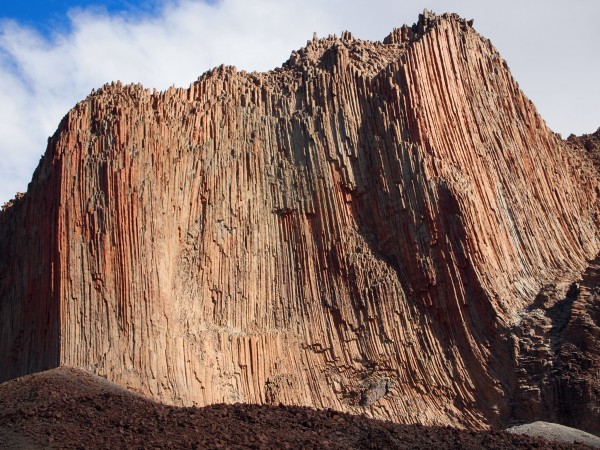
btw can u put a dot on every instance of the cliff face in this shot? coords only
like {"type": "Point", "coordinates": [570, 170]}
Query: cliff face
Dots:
{"type": "Point", "coordinates": [358, 229]}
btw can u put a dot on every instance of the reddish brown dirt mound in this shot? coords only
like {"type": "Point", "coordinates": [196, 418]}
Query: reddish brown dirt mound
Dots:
{"type": "Point", "coordinates": [68, 408]}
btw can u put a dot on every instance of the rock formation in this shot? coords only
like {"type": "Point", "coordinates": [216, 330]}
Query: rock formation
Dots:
{"type": "Point", "coordinates": [588, 144]}
{"type": "Point", "coordinates": [557, 354]}
{"type": "Point", "coordinates": [361, 229]}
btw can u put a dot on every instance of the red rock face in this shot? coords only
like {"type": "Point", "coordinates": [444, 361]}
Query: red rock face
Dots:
{"type": "Point", "coordinates": [358, 229]}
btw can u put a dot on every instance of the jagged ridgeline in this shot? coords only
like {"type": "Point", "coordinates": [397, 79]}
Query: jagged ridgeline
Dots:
{"type": "Point", "coordinates": [363, 228]}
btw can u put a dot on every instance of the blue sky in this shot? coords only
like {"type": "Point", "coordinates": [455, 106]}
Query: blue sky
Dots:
{"type": "Point", "coordinates": [47, 15]}
{"type": "Point", "coordinates": [53, 53]}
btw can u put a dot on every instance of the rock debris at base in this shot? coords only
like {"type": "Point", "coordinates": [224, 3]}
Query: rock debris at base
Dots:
{"type": "Point", "coordinates": [70, 409]}
{"type": "Point", "coordinates": [556, 433]}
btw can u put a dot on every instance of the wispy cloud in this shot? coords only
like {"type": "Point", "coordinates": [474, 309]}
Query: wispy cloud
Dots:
{"type": "Point", "coordinates": [43, 76]}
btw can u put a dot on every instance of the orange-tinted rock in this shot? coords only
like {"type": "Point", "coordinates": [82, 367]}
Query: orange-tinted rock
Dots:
{"type": "Point", "coordinates": [356, 230]}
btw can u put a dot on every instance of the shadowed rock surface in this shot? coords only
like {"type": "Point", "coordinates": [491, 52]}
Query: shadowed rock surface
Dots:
{"type": "Point", "coordinates": [558, 340]}
{"type": "Point", "coordinates": [362, 229]}
{"type": "Point", "coordinates": [68, 408]}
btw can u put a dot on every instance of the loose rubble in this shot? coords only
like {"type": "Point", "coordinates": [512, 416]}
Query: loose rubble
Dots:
{"type": "Point", "coordinates": [71, 409]}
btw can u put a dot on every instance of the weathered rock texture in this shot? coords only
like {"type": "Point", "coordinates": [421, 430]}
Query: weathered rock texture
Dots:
{"type": "Point", "coordinates": [589, 144]}
{"type": "Point", "coordinates": [557, 358]}
{"type": "Point", "coordinates": [357, 229]}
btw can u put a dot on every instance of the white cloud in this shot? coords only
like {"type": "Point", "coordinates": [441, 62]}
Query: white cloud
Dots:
{"type": "Point", "coordinates": [551, 46]}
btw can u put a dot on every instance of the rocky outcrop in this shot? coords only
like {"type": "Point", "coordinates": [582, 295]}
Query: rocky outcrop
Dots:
{"type": "Point", "coordinates": [557, 354]}
{"type": "Point", "coordinates": [587, 144]}
{"type": "Point", "coordinates": [358, 229]}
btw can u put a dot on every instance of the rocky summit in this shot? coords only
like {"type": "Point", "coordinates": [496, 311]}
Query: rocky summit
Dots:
{"type": "Point", "coordinates": [380, 228]}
